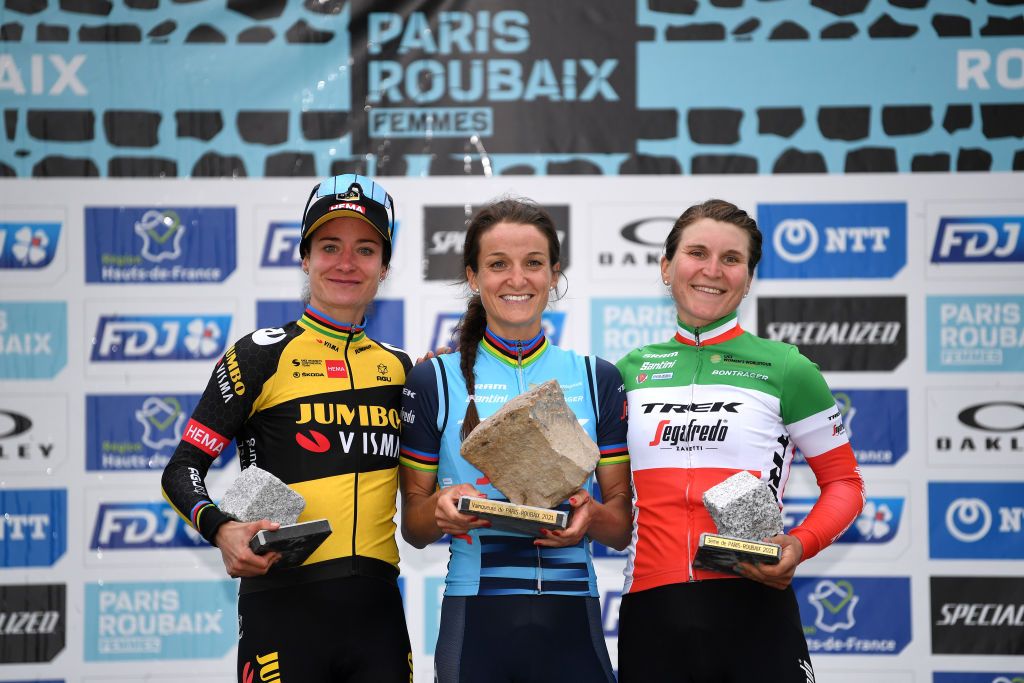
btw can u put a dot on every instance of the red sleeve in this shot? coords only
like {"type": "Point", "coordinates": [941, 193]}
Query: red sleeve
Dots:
{"type": "Point", "coordinates": [840, 501]}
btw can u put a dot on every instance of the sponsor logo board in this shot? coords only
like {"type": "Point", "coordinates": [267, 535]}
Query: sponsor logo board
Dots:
{"type": "Point", "coordinates": [33, 339]}
{"type": "Point", "coordinates": [148, 245]}
{"type": "Point", "coordinates": [975, 241]}
{"type": "Point", "coordinates": [138, 431]}
{"type": "Point", "coordinates": [848, 240]}
{"type": "Point", "coordinates": [876, 423]}
{"type": "Point", "coordinates": [617, 326]}
{"type": "Point", "coordinates": [31, 245]}
{"type": "Point", "coordinates": [33, 433]}
{"type": "Point", "coordinates": [34, 619]}
{"type": "Point", "coordinates": [975, 333]}
{"type": "Point", "coordinates": [146, 338]}
{"type": "Point", "coordinates": [854, 615]}
{"type": "Point", "coordinates": [977, 615]}
{"type": "Point", "coordinates": [976, 426]}
{"type": "Point", "coordinates": [33, 527]}
{"type": "Point", "coordinates": [626, 247]}
{"type": "Point", "coordinates": [159, 620]}
{"type": "Point", "coordinates": [839, 333]}
{"type": "Point", "coordinates": [444, 232]}
{"type": "Point", "coordinates": [976, 520]}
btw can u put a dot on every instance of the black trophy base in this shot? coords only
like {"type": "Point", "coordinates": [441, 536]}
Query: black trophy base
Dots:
{"type": "Point", "coordinates": [295, 542]}
{"type": "Point", "coordinates": [520, 519]}
{"type": "Point", "coordinates": [722, 553]}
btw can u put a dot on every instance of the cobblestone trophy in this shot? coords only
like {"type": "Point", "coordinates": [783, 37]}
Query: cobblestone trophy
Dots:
{"type": "Point", "coordinates": [745, 511]}
{"type": "Point", "coordinates": [257, 494]}
{"type": "Point", "coordinates": [534, 451]}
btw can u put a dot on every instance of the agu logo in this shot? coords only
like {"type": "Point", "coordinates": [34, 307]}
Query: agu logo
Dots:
{"type": "Point", "coordinates": [153, 337]}
{"type": "Point", "coordinates": [970, 239]}
{"type": "Point", "coordinates": [141, 526]}
{"type": "Point", "coordinates": [28, 245]}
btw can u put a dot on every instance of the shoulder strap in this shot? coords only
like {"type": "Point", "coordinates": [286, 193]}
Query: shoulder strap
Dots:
{"type": "Point", "coordinates": [442, 394]}
{"type": "Point", "coordinates": [592, 383]}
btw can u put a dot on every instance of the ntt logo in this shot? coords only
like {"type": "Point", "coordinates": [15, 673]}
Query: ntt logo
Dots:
{"type": "Point", "coordinates": [968, 519]}
{"type": "Point", "coordinates": [795, 240]}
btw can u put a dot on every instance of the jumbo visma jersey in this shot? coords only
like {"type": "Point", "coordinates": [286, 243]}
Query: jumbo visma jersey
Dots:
{"type": "Point", "coordinates": [315, 403]}
{"type": "Point", "coordinates": [712, 402]}
{"type": "Point", "coordinates": [487, 561]}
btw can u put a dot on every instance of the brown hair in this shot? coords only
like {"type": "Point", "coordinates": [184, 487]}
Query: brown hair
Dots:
{"type": "Point", "coordinates": [474, 321]}
{"type": "Point", "coordinates": [716, 210]}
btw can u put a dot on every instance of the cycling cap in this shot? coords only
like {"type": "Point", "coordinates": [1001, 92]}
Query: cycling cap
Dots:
{"type": "Point", "coordinates": [349, 195]}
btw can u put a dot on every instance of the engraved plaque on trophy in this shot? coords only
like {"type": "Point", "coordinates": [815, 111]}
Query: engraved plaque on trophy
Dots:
{"type": "Point", "coordinates": [745, 511]}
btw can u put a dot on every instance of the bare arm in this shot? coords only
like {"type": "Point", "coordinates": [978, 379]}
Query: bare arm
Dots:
{"type": "Point", "coordinates": [608, 522]}
{"type": "Point", "coordinates": [429, 513]}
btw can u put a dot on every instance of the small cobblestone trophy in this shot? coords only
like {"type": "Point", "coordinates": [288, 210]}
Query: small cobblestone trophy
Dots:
{"type": "Point", "coordinates": [745, 511]}
{"type": "Point", "coordinates": [257, 494]}
{"type": "Point", "coordinates": [534, 451]}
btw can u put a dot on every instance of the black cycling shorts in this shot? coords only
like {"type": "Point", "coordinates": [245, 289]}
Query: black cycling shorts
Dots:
{"type": "Point", "coordinates": [521, 639]}
{"type": "Point", "coordinates": [349, 630]}
{"type": "Point", "coordinates": [717, 631]}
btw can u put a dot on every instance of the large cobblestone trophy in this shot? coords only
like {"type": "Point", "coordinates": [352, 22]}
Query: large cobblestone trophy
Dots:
{"type": "Point", "coordinates": [257, 494]}
{"type": "Point", "coordinates": [534, 451]}
{"type": "Point", "coordinates": [745, 512]}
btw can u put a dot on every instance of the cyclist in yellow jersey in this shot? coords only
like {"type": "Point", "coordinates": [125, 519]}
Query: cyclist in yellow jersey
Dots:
{"type": "Point", "coordinates": [315, 402]}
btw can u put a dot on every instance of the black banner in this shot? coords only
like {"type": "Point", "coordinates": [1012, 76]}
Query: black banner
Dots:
{"type": "Point", "coordinates": [977, 615]}
{"type": "Point", "coordinates": [32, 622]}
{"type": "Point", "coordinates": [839, 333]}
{"type": "Point", "coordinates": [444, 232]}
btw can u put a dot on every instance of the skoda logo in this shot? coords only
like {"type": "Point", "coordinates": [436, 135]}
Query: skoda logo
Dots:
{"type": "Point", "coordinates": [12, 424]}
{"type": "Point", "coordinates": [968, 519]}
{"type": "Point", "coordinates": [998, 416]}
{"type": "Point", "coordinates": [795, 240]}
{"type": "Point", "coordinates": [648, 232]}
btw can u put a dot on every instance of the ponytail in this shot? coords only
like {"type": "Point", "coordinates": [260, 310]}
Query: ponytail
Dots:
{"type": "Point", "coordinates": [471, 331]}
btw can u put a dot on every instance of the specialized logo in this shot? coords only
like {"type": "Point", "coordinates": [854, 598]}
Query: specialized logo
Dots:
{"type": "Point", "coordinates": [33, 339]}
{"type": "Point", "coordinates": [159, 620]}
{"type": "Point", "coordinates": [976, 520]}
{"type": "Point", "coordinates": [617, 326]}
{"type": "Point", "coordinates": [281, 246]}
{"type": "Point", "coordinates": [863, 240]}
{"type": "Point", "coordinates": [975, 333]}
{"type": "Point", "coordinates": [977, 615]}
{"type": "Point", "coordinates": [444, 232]}
{"type": "Point", "coordinates": [141, 526]}
{"type": "Point", "coordinates": [446, 328]}
{"type": "Point", "coordinates": [878, 522]}
{"type": "Point", "coordinates": [488, 74]}
{"type": "Point", "coordinates": [28, 246]}
{"type": "Point", "coordinates": [147, 245]}
{"type": "Point", "coordinates": [33, 527]}
{"type": "Point", "coordinates": [33, 622]}
{"type": "Point", "coordinates": [839, 333]}
{"type": "Point", "coordinates": [152, 337]}
{"type": "Point", "coordinates": [973, 239]}
{"type": "Point", "coordinates": [146, 440]}
{"type": "Point", "coordinates": [855, 616]}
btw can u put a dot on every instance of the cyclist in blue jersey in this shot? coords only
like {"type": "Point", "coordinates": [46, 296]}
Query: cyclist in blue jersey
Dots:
{"type": "Point", "coordinates": [516, 608]}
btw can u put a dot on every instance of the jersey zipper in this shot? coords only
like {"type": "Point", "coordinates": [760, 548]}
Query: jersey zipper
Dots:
{"type": "Point", "coordinates": [355, 485]}
{"type": "Point", "coordinates": [522, 388]}
{"type": "Point", "coordinates": [689, 461]}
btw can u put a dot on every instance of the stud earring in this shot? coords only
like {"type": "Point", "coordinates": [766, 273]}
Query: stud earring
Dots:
{"type": "Point", "coordinates": [665, 282]}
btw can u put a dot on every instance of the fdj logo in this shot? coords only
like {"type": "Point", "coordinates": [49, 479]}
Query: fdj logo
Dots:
{"type": "Point", "coordinates": [281, 248]}
{"type": "Point", "coordinates": [991, 239]}
{"type": "Point", "coordinates": [141, 338]}
{"type": "Point", "coordinates": [28, 245]}
{"type": "Point", "coordinates": [121, 526]}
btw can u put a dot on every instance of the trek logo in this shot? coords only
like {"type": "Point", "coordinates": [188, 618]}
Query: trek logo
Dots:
{"type": "Point", "coordinates": [833, 240]}
{"type": "Point", "coordinates": [976, 520]}
{"type": "Point", "coordinates": [33, 527]}
{"type": "Point", "coordinates": [988, 239]}
{"type": "Point", "coordinates": [446, 328]}
{"type": "Point", "coordinates": [28, 246]}
{"type": "Point", "coordinates": [712, 407]}
{"type": "Point", "coordinates": [977, 615]}
{"type": "Point", "coordinates": [444, 232]}
{"type": "Point", "coordinates": [33, 622]}
{"type": "Point", "coordinates": [281, 246]}
{"type": "Point", "coordinates": [336, 369]}
{"type": "Point", "coordinates": [151, 337]}
{"type": "Point", "coordinates": [141, 526]}
{"type": "Point", "coordinates": [161, 246]}
{"type": "Point", "coordinates": [878, 522]}
{"type": "Point", "coordinates": [855, 615]}
{"type": "Point", "coordinates": [668, 435]}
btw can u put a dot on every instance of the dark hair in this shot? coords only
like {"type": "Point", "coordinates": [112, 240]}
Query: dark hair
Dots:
{"type": "Point", "coordinates": [471, 327]}
{"type": "Point", "coordinates": [716, 210]}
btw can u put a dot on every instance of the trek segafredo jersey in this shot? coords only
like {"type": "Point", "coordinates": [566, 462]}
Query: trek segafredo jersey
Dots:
{"type": "Point", "coordinates": [707, 404]}
{"type": "Point", "coordinates": [487, 561]}
{"type": "Point", "coordinates": [315, 403]}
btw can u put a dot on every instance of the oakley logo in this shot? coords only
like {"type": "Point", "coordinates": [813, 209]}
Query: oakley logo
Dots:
{"type": "Point", "coordinates": [992, 419]}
